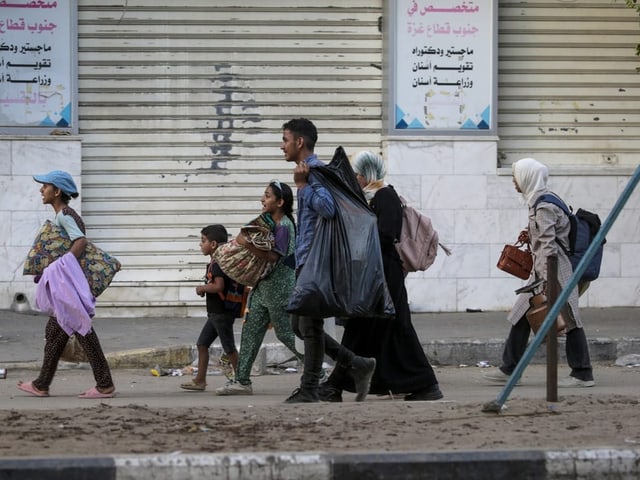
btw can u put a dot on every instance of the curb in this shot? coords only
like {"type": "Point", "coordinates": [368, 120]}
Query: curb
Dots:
{"type": "Point", "coordinates": [455, 351]}
{"type": "Point", "coordinates": [600, 464]}
{"type": "Point", "coordinates": [137, 358]}
{"type": "Point", "coordinates": [179, 355]}
{"type": "Point", "coordinates": [440, 352]}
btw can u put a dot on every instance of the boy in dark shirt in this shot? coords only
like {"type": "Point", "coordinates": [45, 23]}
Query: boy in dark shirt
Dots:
{"type": "Point", "coordinates": [219, 318]}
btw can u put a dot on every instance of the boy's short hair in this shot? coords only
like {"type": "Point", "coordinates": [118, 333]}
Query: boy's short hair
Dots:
{"type": "Point", "coordinates": [215, 233]}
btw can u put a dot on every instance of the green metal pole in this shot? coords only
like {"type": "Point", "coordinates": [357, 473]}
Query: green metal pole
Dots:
{"type": "Point", "coordinates": [496, 406]}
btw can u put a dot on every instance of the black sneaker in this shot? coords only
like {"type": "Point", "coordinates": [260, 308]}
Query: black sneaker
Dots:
{"type": "Point", "coordinates": [361, 371]}
{"type": "Point", "coordinates": [427, 395]}
{"type": "Point", "coordinates": [300, 395]}
{"type": "Point", "coordinates": [329, 393]}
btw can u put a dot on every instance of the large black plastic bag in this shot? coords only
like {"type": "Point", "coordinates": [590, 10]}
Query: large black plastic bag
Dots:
{"type": "Point", "coordinates": [343, 275]}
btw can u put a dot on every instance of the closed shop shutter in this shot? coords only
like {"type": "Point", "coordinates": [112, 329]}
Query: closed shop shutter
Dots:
{"type": "Point", "coordinates": [181, 106]}
{"type": "Point", "coordinates": [568, 89]}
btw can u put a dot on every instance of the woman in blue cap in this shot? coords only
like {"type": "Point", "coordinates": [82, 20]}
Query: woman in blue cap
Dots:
{"type": "Point", "coordinates": [58, 188]}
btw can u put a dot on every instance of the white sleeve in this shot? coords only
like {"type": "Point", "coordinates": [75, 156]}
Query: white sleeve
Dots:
{"type": "Point", "coordinates": [70, 226]}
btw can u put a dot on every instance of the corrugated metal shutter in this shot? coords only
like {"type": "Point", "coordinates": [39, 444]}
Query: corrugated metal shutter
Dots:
{"type": "Point", "coordinates": [180, 109]}
{"type": "Point", "coordinates": [568, 89]}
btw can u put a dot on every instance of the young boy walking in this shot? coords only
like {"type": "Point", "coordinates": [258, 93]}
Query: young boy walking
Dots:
{"type": "Point", "coordinates": [219, 318]}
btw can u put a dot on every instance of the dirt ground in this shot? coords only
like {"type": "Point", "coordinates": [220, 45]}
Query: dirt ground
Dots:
{"type": "Point", "coordinates": [381, 424]}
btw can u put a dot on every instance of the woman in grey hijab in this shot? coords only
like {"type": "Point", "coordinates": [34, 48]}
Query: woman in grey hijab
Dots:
{"type": "Point", "coordinates": [401, 364]}
{"type": "Point", "coordinates": [548, 226]}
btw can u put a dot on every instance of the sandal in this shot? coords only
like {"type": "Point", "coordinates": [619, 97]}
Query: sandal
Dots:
{"type": "Point", "coordinates": [93, 392]}
{"type": "Point", "coordinates": [31, 390]}
{"type": "Point", "coordinates": [191, 385]}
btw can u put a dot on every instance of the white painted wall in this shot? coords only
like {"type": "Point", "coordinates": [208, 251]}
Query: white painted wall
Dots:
{"type": "Point", "coordinates": [473, 205]}
{"type": "Point", "coordinates": [476, 210]}
{"type": "Point", "coordinates": [21, 209]}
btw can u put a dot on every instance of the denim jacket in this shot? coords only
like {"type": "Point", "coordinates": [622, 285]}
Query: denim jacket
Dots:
{"type": "Point", "coordinates": [313, 201]}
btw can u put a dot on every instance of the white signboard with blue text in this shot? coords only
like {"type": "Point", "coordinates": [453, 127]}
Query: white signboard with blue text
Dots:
{"type": "Point", "coordinates": [37, 64]}
{"type": "Point", "coordinates": [443, 67]}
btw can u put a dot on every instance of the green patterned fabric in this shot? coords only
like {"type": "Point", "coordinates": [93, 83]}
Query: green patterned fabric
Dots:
{"type": "Point", "coordinates": [268, 306]}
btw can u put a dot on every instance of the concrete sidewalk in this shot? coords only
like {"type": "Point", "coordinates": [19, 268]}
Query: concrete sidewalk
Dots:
{"type": "Point", "coordinates": [448, 338]}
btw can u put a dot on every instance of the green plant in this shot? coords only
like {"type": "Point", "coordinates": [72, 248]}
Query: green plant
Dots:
{"type": "Point", "coordinates": [636, 6]}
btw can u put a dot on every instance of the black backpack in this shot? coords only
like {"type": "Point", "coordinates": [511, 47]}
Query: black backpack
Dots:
{"type": "Point", "coordinates": [235, 298]}
{"type": "Point", "coordinates": [584, 227]}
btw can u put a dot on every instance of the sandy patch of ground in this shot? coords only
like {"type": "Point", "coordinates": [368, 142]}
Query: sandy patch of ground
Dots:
{"type": "Point", "coordinates": [384, 425]}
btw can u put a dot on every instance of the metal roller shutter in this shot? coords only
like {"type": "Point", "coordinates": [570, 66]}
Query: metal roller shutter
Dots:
{"type": "Point", "coordinates": [568, 89]}
{"type": "Point", "coordinates": [180, 110]}
{"type": "Point", "coordinates": [181, 106]}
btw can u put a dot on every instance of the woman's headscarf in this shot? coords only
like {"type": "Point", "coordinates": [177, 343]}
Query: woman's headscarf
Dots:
{"type": "Point", "coordinates": [371, 167]}
{"type": "Point", "coordinates": [531, 176]}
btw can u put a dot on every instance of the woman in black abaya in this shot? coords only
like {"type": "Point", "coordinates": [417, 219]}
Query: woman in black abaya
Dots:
{"type": "Point", "coordinates": [402, 366]}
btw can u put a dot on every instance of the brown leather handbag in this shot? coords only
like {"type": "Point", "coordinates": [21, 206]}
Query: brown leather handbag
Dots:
{"type": "Point", "coordinates": [516, 260]}
{"type": "Point", "coordinates": [539, 307]}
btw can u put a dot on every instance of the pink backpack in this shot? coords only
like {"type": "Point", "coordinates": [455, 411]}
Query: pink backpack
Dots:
{"type": "Point", "coordinates": [418, 244]}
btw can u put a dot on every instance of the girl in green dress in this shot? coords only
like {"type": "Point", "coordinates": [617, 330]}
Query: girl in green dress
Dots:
{"type": "Point", "coordinates": [269, 298]}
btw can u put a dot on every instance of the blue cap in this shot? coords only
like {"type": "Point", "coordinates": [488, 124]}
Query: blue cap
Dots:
{"type": "Point", "coordinates": [59, 179]}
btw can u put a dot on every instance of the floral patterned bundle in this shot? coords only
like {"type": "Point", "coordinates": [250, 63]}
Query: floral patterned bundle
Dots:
{"type": "Point", "coordinates": [240, 264]}
{"type": "Point", "coordinates": [52, 242]}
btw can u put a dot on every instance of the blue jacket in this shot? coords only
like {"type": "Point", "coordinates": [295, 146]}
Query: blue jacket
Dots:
{"type": "Point", "coordinates": [313, 200]}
